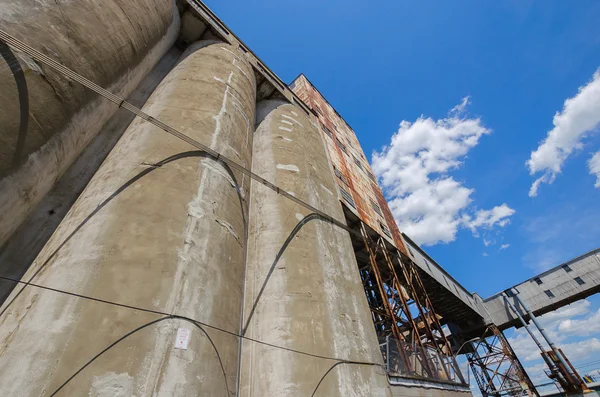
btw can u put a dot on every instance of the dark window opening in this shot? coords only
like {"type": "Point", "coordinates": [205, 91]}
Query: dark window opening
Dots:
{"type": "Point", "coordinates": [385, 229]}
{"type": "Point", "coordinates": [538, 280]}
{"type": "Point", "coordinates": [357, 162]}
{"type": "Point", "coordinates": [318, 109]}
{"type": "Point", "coordinates": [549, 293]}
{"type": "Point", "coordinates": [341, 176]}
{"type": "Point", "coordinates": [341, 145]}
{"type": "Point", "coordinates": [567, 268]}
{"type": "Point", "coordinates": [376, 208]}
{"type": "Point", "coordinates": [347, 197]}
{"type": "Point", "coordinates": [372, 177]}
{"type": "Point", "coordinates": [427, 263]}
{"type": "Point", "coordinates": [579, 280]}
{"type": "Point", "coordinates": [327, 131]}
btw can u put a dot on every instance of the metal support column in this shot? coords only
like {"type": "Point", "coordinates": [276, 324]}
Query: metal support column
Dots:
{"type": "Point", "coordinates": [497, 369]}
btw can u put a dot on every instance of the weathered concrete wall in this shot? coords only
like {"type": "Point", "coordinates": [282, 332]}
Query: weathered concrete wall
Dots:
{"type": "Point", "coordinates": [27, 241]}
{"type": "Point", "coordinates": [313, 300]}
{"type": "Point", "coordinates": [112, 42]}
{"type": "Point", "coordinates": [160, 227]}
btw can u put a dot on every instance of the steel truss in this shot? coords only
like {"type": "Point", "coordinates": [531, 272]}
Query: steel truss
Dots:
{"type": "Point", "coordinates": [496, 368]}
{"type": "Point", "coordinates": [412, 338]}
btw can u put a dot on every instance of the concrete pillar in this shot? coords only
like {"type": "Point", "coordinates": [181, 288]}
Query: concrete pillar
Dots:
{"type": "Point", "coordinates": [161, 227]}
{"type": "Point", "coordinates": [313, 300]}
{"type": "Point", "coordinates": [115, 43]}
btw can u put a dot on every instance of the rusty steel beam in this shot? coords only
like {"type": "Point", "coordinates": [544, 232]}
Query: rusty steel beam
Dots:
{"type": "Point", "coordinates": [438, 342]}
{"type": "Point", "coordinates": [401, 309]}
{"type": "Point", "coordinates": [389, 314]}
{"type": "Point", "coordinates": [497, 369]}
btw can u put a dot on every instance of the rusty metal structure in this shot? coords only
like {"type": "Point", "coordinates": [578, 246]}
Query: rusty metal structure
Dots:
{"type": "Point", "coordinates": [496, 368]}
{"type": "Point", "coordinates": [411, 336]}
{"type": "Point", "coordinates": [405, 322]}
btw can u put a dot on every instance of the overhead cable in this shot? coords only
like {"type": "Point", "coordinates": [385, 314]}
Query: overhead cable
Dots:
{"type": "Point", "coordinates": [122, 103]}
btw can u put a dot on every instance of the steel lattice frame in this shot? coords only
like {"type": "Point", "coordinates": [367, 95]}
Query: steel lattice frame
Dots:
{"type": "Point", "coordinates": [402, 310]}
{"type": "Point", "coordinates": [496, 368]}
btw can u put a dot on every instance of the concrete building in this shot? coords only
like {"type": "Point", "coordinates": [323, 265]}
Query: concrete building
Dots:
{"type": "Point", "coordinates": [231, 240]}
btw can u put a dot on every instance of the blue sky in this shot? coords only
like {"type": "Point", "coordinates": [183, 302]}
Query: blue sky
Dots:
{"type": "Point", "coordinates": [383, 62]}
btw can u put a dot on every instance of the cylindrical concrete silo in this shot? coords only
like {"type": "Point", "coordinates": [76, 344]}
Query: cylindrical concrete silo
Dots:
{"type": "Point", "coordinates": [115, 43]}
{"type": "Point", "coordinates": [313, 300]}
{"type": "Point", "coordinates": [160, 226]}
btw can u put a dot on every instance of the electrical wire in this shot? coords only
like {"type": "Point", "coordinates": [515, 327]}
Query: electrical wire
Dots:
{"type": "Point", "coordinates": [122, 103]}
{"type": "Point", "coordinates": [126, 306]}
{"type": "Point", "coordinates": [133, 332]}
{"type": "Point", "coordinates": [340, 363]}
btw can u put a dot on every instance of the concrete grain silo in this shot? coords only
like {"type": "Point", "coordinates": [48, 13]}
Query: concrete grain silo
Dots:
{"type": "Point", "coordinates": [207, 247]}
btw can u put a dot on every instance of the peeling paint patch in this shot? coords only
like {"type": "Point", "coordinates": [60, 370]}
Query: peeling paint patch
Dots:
{"type": "Point", "coordinates": [285, 129]}
{"type": "Point", "coordinates": [112, 384]}
{"type": "Point", "coordinates": [288, 167]}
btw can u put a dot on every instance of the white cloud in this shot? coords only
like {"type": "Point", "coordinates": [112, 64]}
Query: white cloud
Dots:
{"type": "Point", "coordinates": [498, 215]}
{"type": "Point", "coordinates": [504, 246]}
{"type": "Point", "coordinates": [527, 350]}
{"type": "Point", "coordinates": [580, 117]}
{"type": "Point", "coordinates": [487, 243]}
{"type": "Point", "coordinates": [485, 254]}
{"type": "Point", "coordinates": [594, 165]}
{"type": "Point", "coordinates": [583, 327]}
{"type": "Point", "coordinates": [429, 204]}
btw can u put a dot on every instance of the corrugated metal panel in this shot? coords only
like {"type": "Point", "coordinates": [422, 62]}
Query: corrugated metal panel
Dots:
{"type": "Point", "coordinates": [358, 185]}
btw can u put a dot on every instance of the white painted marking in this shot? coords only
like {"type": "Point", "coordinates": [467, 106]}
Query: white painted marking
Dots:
{"type": "Point", "coordinates": [285, 139]}
{"type": "Point", "coordinates": [288, 167]}
{"type": "Point", "coordinates": [285, 129]}
{"type": "Point", "coordinates": [327, 190]}
{"type": "Point", "coordinates": [291, 118]}
{"type": "Point", "coordinates": [287, 122]}
{"type": "Point", "coordinates": [299, 217]}
{"type": "Point", "coordinates": [294, 113]}
{"type": "Point", "coordinates": [183, 338]}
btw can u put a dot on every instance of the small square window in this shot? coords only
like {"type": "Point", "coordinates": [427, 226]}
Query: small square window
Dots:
{"type": "Point", "coordinates": [538, 280]}
{"type": "Point", "coordinates": [579, 280]}
{"type": "Point", "coordinates": [567, 268]}
{"type": "Point", "coordinates": [549, 293]}
{"type": "Point", "coordinates": [327, 130]}
{"type": "Point", "coordinates": [427, 263]}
